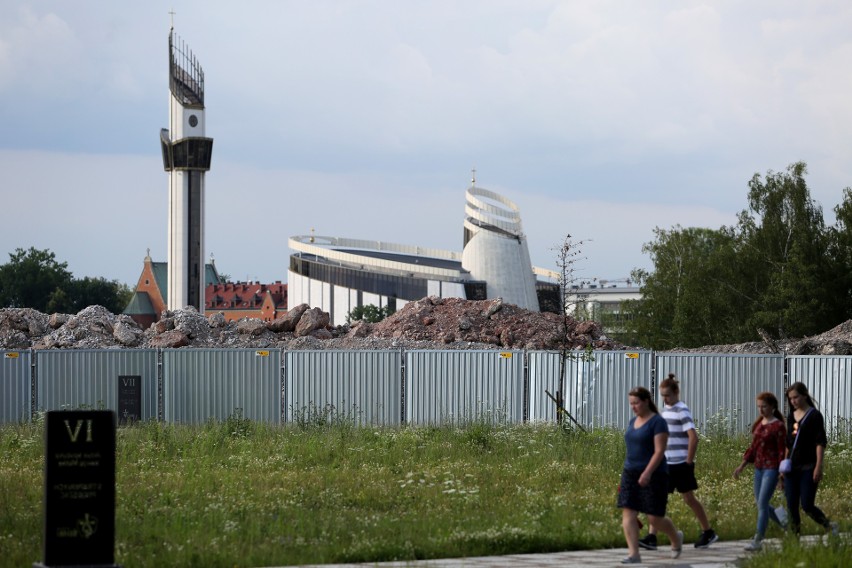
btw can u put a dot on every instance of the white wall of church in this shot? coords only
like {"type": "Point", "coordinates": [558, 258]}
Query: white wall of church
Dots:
{"type": "Point", "coordinates": [374, 299]}
{"type": "Point", "coordinates": [343, 304]}
{"type": "Point", "coordinates": [445, 289]}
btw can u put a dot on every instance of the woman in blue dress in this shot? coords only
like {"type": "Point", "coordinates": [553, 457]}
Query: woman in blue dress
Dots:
{"type": "Point", "coordinates": [644, 484]}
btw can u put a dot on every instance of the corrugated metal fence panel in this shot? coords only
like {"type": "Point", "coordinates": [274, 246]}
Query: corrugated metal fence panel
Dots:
{"type": "Point", "coordinates": [15, 386]}
{"type": "Point", "coordinates": [204, 384]}
{"type": "Point", "coordinates": [79, 378]}
{"type": "Point", "coordinates": [462, 386]}
{"type": "Point", "coordinates": [363, 386]}
{"type": "Point", "coordinates": [720, 389]}
{"type": "Point", "coordinates": [544, 371]}
{"type": "Point", "coordinates": [599, 397]}
{"type": "Point", "coordinates": [596, 388]}
{"type": "Point", "coordinates": [829, 381]}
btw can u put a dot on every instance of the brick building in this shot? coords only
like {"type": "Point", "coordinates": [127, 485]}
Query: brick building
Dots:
{"type": "Point", "coordinates": [234, 299]}
{"type": "Point", "coordinates": [246, 300]}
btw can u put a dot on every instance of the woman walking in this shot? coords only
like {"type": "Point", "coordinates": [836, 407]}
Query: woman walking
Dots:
{"type": "Point", "coordinates": [644, 481]}
{"type": "Point", "coordinates": [767, 449]}
{"type": "Point", "coordinates": [806, 441]}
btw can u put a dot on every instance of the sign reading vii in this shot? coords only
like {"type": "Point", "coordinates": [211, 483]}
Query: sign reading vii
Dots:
{"type": "Point", "coordinates": [129, 399]}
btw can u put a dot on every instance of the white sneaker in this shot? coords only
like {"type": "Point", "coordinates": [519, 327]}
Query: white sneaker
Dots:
{"type": "Point", "coordinates": [834, 528]}
{"type": "Point", "coordinates": [754, 545]}
{"type": "Point", "coordinates": [677, 547]}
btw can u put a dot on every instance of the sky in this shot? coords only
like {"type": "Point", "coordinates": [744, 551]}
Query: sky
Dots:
{"type": "Point", "coordinates": [364, 119]}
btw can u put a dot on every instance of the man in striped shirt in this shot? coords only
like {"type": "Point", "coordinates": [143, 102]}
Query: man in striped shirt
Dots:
{"type": "Point", "coordinates": [680, 455]}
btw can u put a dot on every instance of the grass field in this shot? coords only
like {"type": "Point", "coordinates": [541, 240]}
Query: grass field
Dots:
{"type": "Point", "coordinates": [236, 493]}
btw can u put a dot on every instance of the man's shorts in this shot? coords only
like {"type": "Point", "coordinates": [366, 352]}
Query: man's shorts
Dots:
{"type": "Point", "coordinates": [682, 477]}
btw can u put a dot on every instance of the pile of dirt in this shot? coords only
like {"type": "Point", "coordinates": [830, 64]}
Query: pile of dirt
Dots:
{"type": "Point", "coordinates": [430, 323]}
{"type": "Point", "coordinates": [836, 341]}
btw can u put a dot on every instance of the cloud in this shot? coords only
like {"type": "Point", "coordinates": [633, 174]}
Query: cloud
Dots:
{"type": "Point", "coordinates": [364, 119]}
{"type": "Point", "coordinates": [38, 52]}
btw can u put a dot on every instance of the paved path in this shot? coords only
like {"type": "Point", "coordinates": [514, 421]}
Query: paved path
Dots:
{"type": "Point", "coordinates": [721, 554]}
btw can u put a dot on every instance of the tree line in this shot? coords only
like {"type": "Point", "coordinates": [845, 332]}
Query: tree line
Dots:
{"type": "Point", "coordinates": [778, 272]}
{"type": "Point", "coordinates": [35, 279]}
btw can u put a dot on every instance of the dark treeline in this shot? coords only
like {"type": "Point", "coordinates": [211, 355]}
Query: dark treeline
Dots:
{"type": "Point", "coordinates": [34, 279]}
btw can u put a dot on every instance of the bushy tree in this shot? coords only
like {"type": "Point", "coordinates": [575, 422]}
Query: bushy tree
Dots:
{"type": "Point", "coordinates": [778, 270]}
{"type": "Point", "coordinates": [35, 279]}
{"type": "Point", "coordinates": [784, 244]}
{"type": "Point", "coordinates": [31, 278]}
{"type": "Point", "coordinates": [686, 300]}
{"type": "Point", "coordinates": [89, 291]}
{"type": "Point", "coordinates": [369, 313]}
{"type": "Point", "coordinates": [840, 254]}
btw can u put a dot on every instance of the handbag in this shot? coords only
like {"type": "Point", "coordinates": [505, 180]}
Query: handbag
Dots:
{"type": "Point", "coordinates": [786, 465]}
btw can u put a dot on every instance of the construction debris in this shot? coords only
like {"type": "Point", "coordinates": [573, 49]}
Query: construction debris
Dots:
{"type": "Point", "coordinates": [430, 323]}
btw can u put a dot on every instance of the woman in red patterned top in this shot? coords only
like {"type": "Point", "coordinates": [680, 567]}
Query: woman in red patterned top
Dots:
{"type": "Point", "coordinates": [768, 444]}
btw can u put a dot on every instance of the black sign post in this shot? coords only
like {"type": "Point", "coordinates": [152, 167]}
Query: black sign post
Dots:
{"type": "Point", "coordinates": [129, 399]}
{"type": "Point", "coordinates": [79, 489]}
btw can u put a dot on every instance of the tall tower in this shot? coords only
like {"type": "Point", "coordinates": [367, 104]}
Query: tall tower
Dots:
{"type": "Point", "coordinates": [186, 157]}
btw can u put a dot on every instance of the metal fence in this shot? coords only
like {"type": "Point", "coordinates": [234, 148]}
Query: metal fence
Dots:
{"type": "Point", "coordinates": [15, 386]}
{"type": "Point", "coordinates": [418, 387]}
{"type": "Point", "coordinates": [595, 389]}
{"type": "Point", "coordinates": [204, 384]}
{"type": "Point", "coordinates": [829, 381]}
{"type": "Point", "coordinates": [720, 389]}
{"type": "Point", "coordinates": [464, 386]}
{"type": "Point", "coordinates": [362, 386]}
{"type": "Point", "coordinates": [90, 378]}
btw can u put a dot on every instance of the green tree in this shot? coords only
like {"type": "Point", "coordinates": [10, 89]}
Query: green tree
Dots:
{"type": "Point", "coordinates": [686, 300]}
{"type": "Point", "coordinates": [840, 253]}
{"type": "Point", "coordinates": [784, 244]}
{"type": "Point", "coordinates": [88, 291]}
{"type": "Point", "coordinates": [34, 279]}
{"type": "Point", "coordinates": [778, 270]}
{"type": "Point", "coordinates": [369, 313]}
{"type": "Point", "coordinates": [31, 278]}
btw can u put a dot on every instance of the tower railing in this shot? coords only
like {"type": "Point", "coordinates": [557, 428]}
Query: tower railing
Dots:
{"type": "Point", "coordinates": [186, 78]}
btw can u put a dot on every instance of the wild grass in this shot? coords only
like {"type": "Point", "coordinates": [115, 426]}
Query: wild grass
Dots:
{"type": "Point", "coordinates": [321, 490]}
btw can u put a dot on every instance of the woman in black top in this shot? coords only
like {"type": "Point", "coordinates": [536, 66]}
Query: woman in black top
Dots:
{"type": "Point", "coordinates": [805, 429]}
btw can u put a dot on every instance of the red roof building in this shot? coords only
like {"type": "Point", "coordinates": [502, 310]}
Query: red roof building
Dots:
{"type": "Point", "coordinates": [235, 300]}
{"type": "Point", "coordinates": [246, 300]}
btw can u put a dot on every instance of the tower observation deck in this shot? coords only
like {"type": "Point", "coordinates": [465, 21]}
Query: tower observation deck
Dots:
{"type": "Point", "coordinates": [186, 157]}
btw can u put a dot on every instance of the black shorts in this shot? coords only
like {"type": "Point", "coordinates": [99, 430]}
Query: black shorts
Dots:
{"type": "Point", "coordinates": [651, 500]}
{"type": "Point", "coordinates": [682, 477]}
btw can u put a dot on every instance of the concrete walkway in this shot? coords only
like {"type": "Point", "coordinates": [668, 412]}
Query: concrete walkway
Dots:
{"type": "Point", "coordinates": [718, 555]}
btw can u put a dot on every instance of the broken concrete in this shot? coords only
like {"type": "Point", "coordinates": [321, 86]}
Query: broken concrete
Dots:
{"type": "Point", "coordinates": [429, 323]}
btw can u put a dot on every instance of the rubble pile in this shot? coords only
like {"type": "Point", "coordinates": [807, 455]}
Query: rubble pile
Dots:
{"type": "Point", "coordinates": [836, 341]}
{"type": "Point", "coordinates": [489, 322]}
{"type": "Point", "coordinates": [430, 323]}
